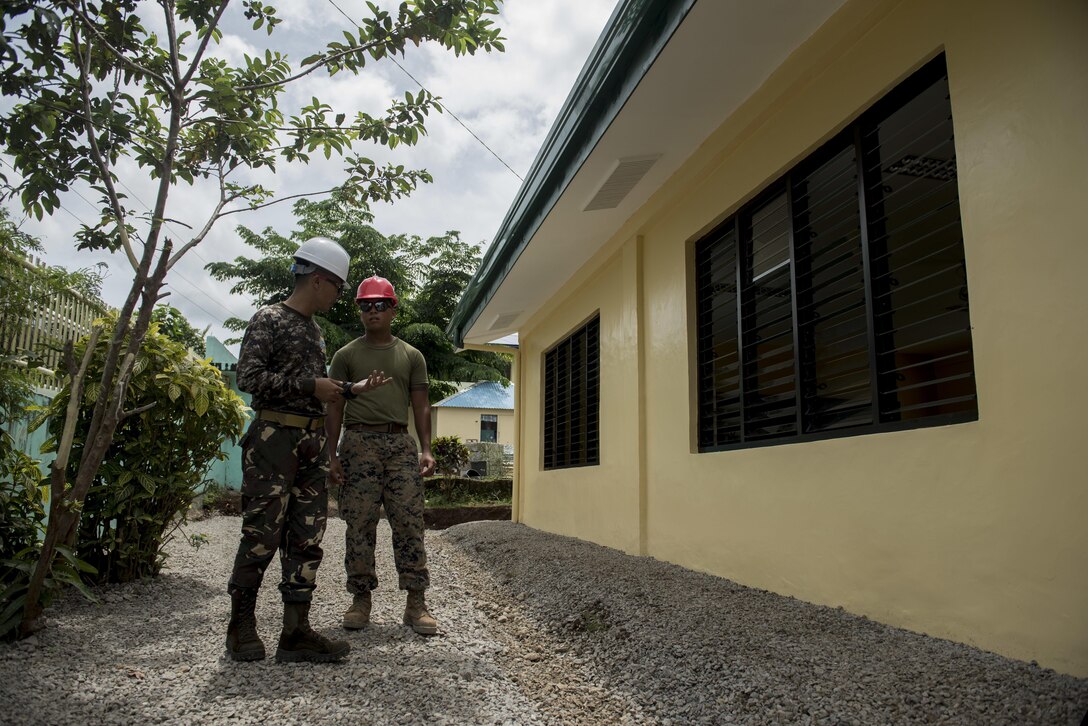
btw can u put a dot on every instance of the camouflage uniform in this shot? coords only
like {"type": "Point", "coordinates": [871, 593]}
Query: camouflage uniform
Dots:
{"type": "Point", "coordinates": [382, 470]}
{"type": "Point", "coordinates": [284, 468]}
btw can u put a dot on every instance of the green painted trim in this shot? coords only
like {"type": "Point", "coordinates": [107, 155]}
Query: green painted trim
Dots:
{"type": "Point", "coordinates": [635, 35]}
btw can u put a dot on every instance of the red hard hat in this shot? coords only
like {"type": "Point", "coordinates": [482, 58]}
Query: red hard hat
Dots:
{"type": "Point", "coordinates": [376, 288]}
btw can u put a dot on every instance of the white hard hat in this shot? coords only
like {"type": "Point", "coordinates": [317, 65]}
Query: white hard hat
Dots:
{"type": "Point", "coordinates": [324, 253]}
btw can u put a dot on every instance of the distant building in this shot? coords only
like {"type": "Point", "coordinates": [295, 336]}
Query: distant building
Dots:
{"type": "Point", "coordinates": [482, 412]}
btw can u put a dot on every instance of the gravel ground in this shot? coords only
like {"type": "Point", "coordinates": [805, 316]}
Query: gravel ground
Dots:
{"type": "Point", "coordinates": [534, 629]}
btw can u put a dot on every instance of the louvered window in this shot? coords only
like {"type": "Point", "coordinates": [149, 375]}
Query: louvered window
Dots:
{"type": "Point", "coordinates": [571, 399]}
{"type": "Point", "coordinates": [835, 303]}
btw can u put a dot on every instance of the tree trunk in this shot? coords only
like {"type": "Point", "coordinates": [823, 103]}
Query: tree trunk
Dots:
{"type": "Point", "coordinates": [64, 519]}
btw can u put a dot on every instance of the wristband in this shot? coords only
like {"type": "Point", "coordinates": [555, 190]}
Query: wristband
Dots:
{"type": "Point", "coordinates": [345, 390]}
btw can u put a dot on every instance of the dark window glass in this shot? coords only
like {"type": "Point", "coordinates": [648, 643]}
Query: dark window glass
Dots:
{"type": "Point", "coordinates": [719, 360]}
{"type": "Point", "coordinates": [836, 383]}
{"type": "Point", "coordinates": [853, 310]}
{"type": "Point", "coordinates": [770, 404]}
{"type": "Point", "coordinates": [489, 427]}
{"type": "Point", "coordinates": [571, 399]}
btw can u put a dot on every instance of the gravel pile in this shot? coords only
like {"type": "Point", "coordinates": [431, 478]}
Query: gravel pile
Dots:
{"type": "Point", "coordinates": [534, 629]}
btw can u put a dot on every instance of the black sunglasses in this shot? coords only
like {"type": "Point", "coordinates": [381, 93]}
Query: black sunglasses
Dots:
{"type": "Point", "coordinates": [340, 286]}
{"type": "Point", "coordinates": [380, 305]}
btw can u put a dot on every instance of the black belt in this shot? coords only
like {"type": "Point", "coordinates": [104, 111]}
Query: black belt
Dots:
{"type": "Point", "coordinates": [385, 428]}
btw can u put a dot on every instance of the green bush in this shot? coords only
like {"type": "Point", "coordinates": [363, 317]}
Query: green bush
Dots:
{"type": "Point", "coordinates": [22, 527]}
{"type": "Point", "coordinates": [450, 455]}
{"type": "Point", "coordinates": [158, 458]}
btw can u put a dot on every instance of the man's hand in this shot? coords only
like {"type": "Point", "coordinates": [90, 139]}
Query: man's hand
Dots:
{"type": "Point", "coordinates": [336, 469]}
{"type": "Point", "coordinates": [374, 380]}
{"type": "Point", "coordinates": [426, 464]}
{"type": "Point", "coordinates": [328, 389]}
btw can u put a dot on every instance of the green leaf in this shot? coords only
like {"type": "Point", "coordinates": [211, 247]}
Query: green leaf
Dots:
{"type": "Point", "coordinates": [146, 481]}
{"type": "Point", "coordinates": [173, 391]}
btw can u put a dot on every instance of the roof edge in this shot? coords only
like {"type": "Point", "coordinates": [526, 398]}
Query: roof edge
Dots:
{"type": "Point", "coordinates": [628, 46]}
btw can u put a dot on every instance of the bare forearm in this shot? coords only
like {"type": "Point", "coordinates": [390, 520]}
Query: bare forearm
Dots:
{"type": "Point", "coordinates": [334, 417]}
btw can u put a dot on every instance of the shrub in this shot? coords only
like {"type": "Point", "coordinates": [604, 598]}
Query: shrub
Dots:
{"type": "Point", "coordinates": [450, 455]}
{"type": "Point", "coordinates": [22, 526]}
{"type": "Point", "coordinates": [158, 458]}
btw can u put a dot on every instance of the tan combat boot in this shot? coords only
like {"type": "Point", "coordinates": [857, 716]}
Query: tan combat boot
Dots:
{"type": "Point", "coordinates": [416, 615]}
{"type": "Point", "coordinates": [299, 642]}
{"type": "Point", "coordinates": [243, 643]}
{"type": "Point", "coordinates": [357, 616]}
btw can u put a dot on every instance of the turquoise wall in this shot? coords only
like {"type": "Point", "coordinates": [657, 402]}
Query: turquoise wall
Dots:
{"type": "Point", "coordinates": [228, 472]}
{"type": "Point", "coordinates": [31, 442]}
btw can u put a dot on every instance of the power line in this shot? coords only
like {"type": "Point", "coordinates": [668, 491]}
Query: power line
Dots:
{"type": "Point", "coordinates": [215, 318]}
{"type": "Point", "coordinates": [446, 108]}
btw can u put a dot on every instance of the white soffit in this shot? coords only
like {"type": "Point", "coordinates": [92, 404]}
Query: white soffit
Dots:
{"type": "Point", "coordinates": [722, 52]}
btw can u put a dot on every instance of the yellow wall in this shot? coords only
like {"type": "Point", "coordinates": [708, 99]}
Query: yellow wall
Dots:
{"type": "Point", "coordinates": [465, 422]}
{"type": "Point", "coordinates": [974, 532]}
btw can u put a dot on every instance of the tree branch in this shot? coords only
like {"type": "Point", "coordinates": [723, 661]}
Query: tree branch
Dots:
{"type": "Point", "coordinates": [86, 22]}
{"type": "Point", "coordinates": [336, 56]}
{"type": "Point", "coordinates": [138, 410]}
{"type": "Point", "coordinates": [275, 201]}
{"type": "Point", "coordinates": [96, 152]}
{"type": "Point", "coordinates": [199, 56]}
{"type": "Point", "coordinates": [172, 34]}
{"type": "Point", "coordinates": [223, 199]}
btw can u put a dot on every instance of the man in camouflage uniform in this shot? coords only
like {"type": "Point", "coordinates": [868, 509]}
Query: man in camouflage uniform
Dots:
{"type": "Point", "coordinates": [378, 463]}
{"type": "Point", "coordinates": [285, 457]}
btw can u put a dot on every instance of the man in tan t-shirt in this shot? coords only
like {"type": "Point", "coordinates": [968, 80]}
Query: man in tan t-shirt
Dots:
{"type": "Point", "coordinates": [378, 464]}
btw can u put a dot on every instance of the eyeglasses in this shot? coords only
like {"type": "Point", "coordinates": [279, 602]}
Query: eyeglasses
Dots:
{"type": "Point", "coordinates": [380, 305]}
{"type": "Point", "coordinates": [340, 286]}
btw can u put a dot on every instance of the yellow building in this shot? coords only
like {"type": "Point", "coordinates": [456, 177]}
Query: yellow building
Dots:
{"type": "Point", "coordinates": [799, 291]}
{"type": "Point", "coordinates": [482, 412]}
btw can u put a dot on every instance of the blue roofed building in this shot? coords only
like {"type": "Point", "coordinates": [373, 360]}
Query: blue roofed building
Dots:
{"type": "Point", "coordinates": [483, 411]}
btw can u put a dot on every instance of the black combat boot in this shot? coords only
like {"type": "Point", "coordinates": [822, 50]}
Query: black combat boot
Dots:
{"type": "Point", "coordinates": [243, 643]}
{"type": "Point", "coordinates": [299, 642]}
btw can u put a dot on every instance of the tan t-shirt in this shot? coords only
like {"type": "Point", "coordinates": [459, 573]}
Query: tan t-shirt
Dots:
{"type": "Point", "coordinates": [388, 403]}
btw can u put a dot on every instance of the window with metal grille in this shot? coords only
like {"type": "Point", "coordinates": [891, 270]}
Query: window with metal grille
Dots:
{"type": "Point", "coordinates": [489, 427]}
{"type": "Point", "coordinates": [572, 398]}
{"type": "Point", "coordinates": [835, 303]}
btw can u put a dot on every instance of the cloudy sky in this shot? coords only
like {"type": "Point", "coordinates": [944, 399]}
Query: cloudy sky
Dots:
{"type": "Point", "coordinates": [509, 100]}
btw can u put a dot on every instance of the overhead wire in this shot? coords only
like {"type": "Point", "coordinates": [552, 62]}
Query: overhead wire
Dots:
{"type": "Point", "coordinates": [443, 105]}
{"type": "Point", "coordinates": [218, 319]}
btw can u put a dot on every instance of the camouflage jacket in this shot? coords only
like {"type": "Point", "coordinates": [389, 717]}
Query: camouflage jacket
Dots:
{"type": "Point", "coordinates": [282, 353]}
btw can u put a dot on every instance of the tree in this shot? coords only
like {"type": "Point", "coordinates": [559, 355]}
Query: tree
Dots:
{"type": "Point", "coordinates": [93, 86]}
{"type": "Point", "coordinates": [174, 325]}
{"type": "Point", "coordinates": [157, 460]}
{"type": "Point", "coordinates": [429, 276]}
{"type": "Point", "coordinates": [266, 276]}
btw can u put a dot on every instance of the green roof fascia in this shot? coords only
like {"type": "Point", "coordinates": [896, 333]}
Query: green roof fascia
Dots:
{"type": "Point", "coordinates": [635, 35]}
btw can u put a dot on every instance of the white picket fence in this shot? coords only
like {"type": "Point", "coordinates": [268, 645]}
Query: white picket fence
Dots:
{"type": "Point", "coordinates": [51, 321]}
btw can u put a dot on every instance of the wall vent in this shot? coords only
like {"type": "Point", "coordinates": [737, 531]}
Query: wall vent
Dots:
{"type": "Point", "coordinates": [625, 175]}
{"type": "Point", "coordinates": [505, 320]}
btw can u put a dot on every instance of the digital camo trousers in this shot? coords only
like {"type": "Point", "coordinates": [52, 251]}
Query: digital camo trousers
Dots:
{"type": "Point", "coordinates": [382, 470]}
{"type": "Point", "coordinates": [284, 503]}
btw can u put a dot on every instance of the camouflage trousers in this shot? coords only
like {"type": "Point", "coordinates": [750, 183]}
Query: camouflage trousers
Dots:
{"type": "Point", "coordinates": [284, 503]}
{"type": "Point", "coordinates": [382, 470]}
